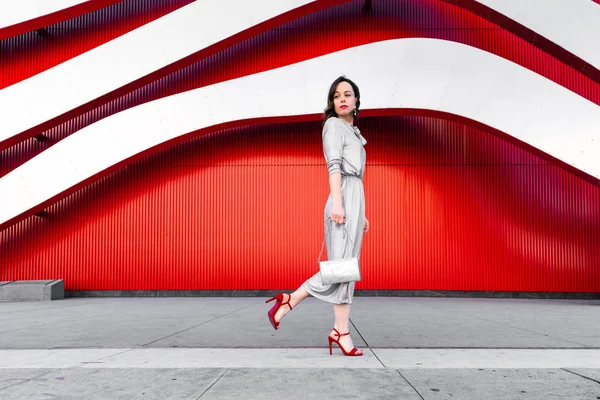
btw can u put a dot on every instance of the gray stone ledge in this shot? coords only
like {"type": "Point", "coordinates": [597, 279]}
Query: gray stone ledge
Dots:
{"type": "Point", "coordinates": [41, 290]}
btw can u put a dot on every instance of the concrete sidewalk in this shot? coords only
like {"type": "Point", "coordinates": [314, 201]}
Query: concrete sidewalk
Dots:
{"type": "Point", "coordinates": [225, 348]}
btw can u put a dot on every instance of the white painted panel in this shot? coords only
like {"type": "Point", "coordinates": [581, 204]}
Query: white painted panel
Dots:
{"type": "Point", "coordinates": [405, 73]}
{"type": "Point", "coordinates": [132, 56]}
{"type": "Point", "coordinates": [572, 24]}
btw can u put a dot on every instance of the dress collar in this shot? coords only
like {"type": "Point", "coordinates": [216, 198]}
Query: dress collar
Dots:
{"type": "Point", "coordinates": [355, 130]}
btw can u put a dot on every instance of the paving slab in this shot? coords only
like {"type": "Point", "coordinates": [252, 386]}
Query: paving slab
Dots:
{"type": "Point", "coordinates": [236, 358]}
{"type": "Point", "coordinates": [242, 322]}
{"type": "Point", "coordinates": [505, 384]}
{"type": "Point", "coordinates": [95, 332]}
{"type": "Point", "coordinates": [184, 358]}
{"type": "Point", "coordinates": [123, 384]}
{"type": "Point", "coordinates": [302, 358]}
{"type": "Point", "coordinates": [305, 326]}
{"type": "Point", "coordinates": [573, 315]}
{"type": "Point", "coordinates": [489, 358]}
{"type": "Point", "coordinates": [407, 322]}
{"type": "Point", "coordinates": [311, 384]}
{"type": "Point", "coordinates": [124, 323]}
{"type": "Point", "coordinates": [222, 348]}
{"type": "Point", "coordinates": [51, 358]}
{"type": "Point", "coordinates": [28, 315]}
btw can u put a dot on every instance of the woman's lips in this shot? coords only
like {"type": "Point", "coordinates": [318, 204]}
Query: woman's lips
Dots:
{"type": "Point", "coordinates": [343, 107]}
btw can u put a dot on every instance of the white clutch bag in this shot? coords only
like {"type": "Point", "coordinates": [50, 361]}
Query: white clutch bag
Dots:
{"type": "Point", "coordinates": [340, 270]}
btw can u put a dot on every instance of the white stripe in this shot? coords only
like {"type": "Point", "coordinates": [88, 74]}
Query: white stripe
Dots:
{"type": "Point", "coordinates": [300, 358]}
{"type": "Point", "coordinates": [405, 73]}
{"type": "Point", "coordinates": [19, 11]}
{"type": "Point", "coordinates": [134, 55]}
{"type": "Point", "coordinates": [489, 358]}
{"type": "Point", "coordinates": [63, 358]}
{"type": "Point", "coordinates": [572, 24]}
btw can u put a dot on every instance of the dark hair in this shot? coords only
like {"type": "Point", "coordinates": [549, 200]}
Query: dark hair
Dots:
{"type": "Point", "coordinates": [330, 110]}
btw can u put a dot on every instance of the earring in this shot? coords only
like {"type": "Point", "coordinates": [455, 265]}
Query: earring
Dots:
{"type": "Point", "coordinates": [355, 111]}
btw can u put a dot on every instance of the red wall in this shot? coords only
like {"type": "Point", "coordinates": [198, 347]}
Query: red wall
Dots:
{"type": "Point", "coordinates": [451, 208]}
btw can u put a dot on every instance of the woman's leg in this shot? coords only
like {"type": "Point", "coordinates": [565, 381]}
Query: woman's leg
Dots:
{"type": "Point", "coordinates": [342, 319]}
{"type": "Point", "coordinates": [296, 297]}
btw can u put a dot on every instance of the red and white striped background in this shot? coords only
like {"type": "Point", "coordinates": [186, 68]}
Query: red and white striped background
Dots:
{"type": "Point", "coordinates": [455, 203]}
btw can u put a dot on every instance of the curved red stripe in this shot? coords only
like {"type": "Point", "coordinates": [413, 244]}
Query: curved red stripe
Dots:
{"type": "Point", "coordinates": [29, 54]}
{"type": "Point", "coordinates": [530, 36]}
{"type": "Point", "coordinates": [309, 117]}
{"type": "Point", "coordinates": [55, 17]}
{"type": "Point", "coordinates": [324, 34]}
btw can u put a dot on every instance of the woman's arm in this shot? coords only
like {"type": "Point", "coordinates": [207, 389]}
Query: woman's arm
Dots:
{"type": "Point", "coordinates": [333, 143]}
{"type": "Point", "coordinates": [335, 184]}
{"type": "Point", "coordinates": [337, 214]}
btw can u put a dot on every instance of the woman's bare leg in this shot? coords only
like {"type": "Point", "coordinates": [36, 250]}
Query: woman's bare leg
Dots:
{"type": "Point", "coordinates": [342, 319]}
{"type": "Point", "coordinates": [296, 297]}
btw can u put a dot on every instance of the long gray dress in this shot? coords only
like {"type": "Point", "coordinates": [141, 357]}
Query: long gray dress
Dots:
{"type": "Point", "coordinates": [343, 147]}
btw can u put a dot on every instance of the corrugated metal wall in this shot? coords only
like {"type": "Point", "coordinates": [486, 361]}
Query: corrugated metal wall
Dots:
{"type": "Point", "coordinates": [451, 207]}
{"type": "Point", "coordinates": [26, 55]}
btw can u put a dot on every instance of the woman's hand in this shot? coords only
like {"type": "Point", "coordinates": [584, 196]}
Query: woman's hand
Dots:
{"type": "Point", "coordinates": [338, 214]}
{"type": "Point", "coordinates": [367, 225]}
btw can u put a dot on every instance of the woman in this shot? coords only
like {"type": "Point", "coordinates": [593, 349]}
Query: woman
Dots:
{"type": "Point", "coordinates": [343, 147]}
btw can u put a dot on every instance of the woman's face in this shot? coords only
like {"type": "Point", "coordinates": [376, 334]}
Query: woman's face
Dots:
{"type": "Point", "coordinates": [344, 100]}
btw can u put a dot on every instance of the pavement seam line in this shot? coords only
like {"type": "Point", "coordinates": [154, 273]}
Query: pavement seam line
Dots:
{"type": "Point", "coordinates": [583, 376]}
{"type": "Point", "coordinates": [377, 357]}
{"type": "Point", "coordinates": [359, 334]}
{"type": "Point", "coordinates": [30, 379]}
{"type": "Point", "coordinates": [195, 326]}
{"type": "Point", "coordinates": [212, 384]}
{"type": "Point", "coordinates": [367, 344]}
{"type": "Point", "coordinates": [411, 385]}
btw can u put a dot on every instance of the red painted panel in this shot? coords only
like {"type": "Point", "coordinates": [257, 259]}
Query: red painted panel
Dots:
{"type": "Point", "coordinates": [451, 208]}
{"type": "Point", "coordinates": [55, 17]}
{"type": "Point", "coordinates": [30, 53]}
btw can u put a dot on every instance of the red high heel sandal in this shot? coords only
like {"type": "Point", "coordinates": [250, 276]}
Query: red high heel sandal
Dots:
{"type": "Point", "coordinates": [278, 304]}
{"type": "Point", "coordinates": [353, 352]}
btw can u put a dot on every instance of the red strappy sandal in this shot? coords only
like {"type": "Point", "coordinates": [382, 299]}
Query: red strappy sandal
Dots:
{"type": "Point", "coordinates": [353, 352]}
{"type": "Point", "coordinates": [278, 304]}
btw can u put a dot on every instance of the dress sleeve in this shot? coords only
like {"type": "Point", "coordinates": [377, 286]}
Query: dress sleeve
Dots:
{"type": "Point", "coordinates": [333, 142]}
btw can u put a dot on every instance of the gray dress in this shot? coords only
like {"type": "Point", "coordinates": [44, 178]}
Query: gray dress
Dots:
{"type": "Point", "coordinates": [343, 147]}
